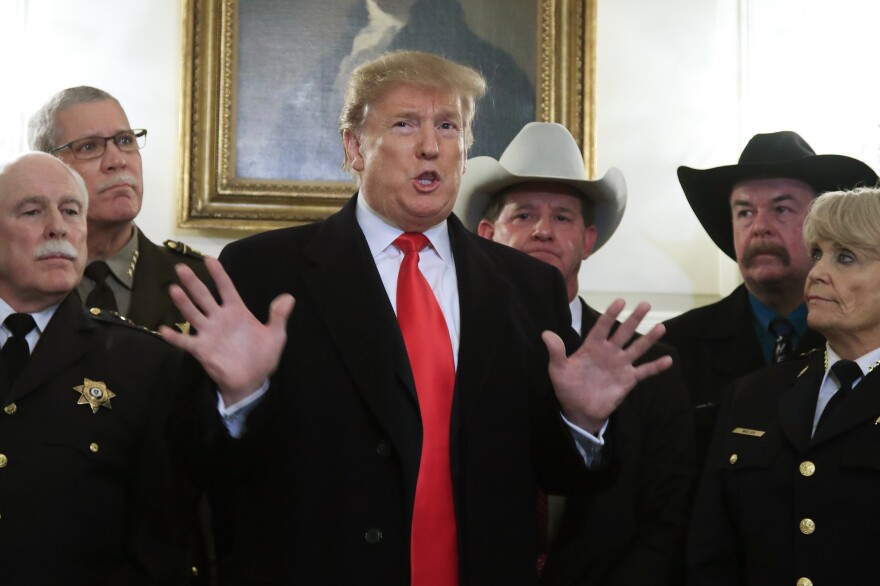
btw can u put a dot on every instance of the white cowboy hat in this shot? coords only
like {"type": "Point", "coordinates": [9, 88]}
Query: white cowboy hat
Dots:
{"type": "Point", "coordinates": [542, 151]}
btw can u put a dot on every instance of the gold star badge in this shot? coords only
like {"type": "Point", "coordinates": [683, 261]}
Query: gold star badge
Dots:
{"type": "Point", "coordinates": [183, 327]}
{"type": "Point", "coordinates": [95, 394]}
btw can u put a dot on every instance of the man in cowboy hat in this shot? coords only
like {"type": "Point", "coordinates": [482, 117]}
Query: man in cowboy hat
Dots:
{"type": "Point", "coordinates": [537, 199]}
{"type": "Point", "coordinates": [754, 212]}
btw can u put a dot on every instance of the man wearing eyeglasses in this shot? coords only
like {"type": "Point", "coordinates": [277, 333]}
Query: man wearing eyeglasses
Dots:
{"type": "Point", "coordinates": [87, 128]}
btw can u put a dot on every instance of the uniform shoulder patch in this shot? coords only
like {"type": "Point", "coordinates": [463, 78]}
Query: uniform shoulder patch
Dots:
{"type": "Point", "coordinates": [112, 317]}
{"type": "Point", "coordinates": [183, 249]}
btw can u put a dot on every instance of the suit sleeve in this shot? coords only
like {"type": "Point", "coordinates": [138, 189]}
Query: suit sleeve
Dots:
{"type": "Point", "coordinates": [666, 478]}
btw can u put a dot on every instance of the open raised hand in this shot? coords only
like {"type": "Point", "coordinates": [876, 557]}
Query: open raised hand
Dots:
{"type": "Point", "coordinates": [237, 351]}
{"type": "Point", "coordinates": [592, 382]}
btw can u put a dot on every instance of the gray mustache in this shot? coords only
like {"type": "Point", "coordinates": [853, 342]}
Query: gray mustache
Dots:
{"type": "Point", "coordinates": [55, 247]}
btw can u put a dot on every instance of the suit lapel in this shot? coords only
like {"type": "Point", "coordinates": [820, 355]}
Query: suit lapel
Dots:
{"type": "Point", "coordinates": [862, 405]}
{"type": "Point", "coordinates": [589, 317]}
{"type": "Point", "coordinates": [797, 405]}
{"type": "Point", "coordinates": [63, 343]}
{"type": "Point", "coordinates": [480, 294]}
{"type": "Point", "coordinates": [732, 324]}
{"type": "Point", "coordinates": [347, 293]}
{"type": "Point", "coordinates": [150, 302]}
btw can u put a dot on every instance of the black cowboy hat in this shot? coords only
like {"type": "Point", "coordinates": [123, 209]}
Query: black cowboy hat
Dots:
{"type": "Point", "coordinates": [776, 154]}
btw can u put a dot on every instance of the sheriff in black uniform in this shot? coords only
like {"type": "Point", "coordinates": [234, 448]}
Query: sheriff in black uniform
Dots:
{"type": "Point", "coordinates": [536, 198]}
{"type": "Point", "coordinates": [754, 212]}
{"type": "Point", "coordinates": [87, 128]}
{"type": "Point", "coordinates": [789, 494]}
{"type": "Point", "coordinates": [86, 494]}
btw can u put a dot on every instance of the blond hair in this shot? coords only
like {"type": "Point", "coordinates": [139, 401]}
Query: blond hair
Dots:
{"type": "Point", "coordinates": [849, 218]}
{"type": "Point", "coordinates": [372, 80]}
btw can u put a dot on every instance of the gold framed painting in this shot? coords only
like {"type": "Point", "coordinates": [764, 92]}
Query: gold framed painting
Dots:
{"type": "Point", "coordinates": [263, 83]}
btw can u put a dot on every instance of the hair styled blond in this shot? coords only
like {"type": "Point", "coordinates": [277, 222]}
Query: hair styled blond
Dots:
{"type": "Point", "coordinates": [372, 80]}
{"type": "Point", "coordinates": [848, 218]}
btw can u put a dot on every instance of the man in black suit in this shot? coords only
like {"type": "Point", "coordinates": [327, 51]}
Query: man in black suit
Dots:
{"type": "Point", "coordinates": [537, 199]}
{"type": "Point", "coordinates": [87, 128]}
{"type": "Point", "coordinates": [754, 212]}
{"type": "Point", "coordinates": [324, 484]}
{"type": "Point", "coordinates": [87, 493]}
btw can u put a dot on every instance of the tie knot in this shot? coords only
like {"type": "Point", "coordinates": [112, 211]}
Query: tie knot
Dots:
{"type": "Point", "coordinates": [846, 372]}
{"type": "Point", "coordinates": [780, 327]}
{"type": "Point", "coordinates": [20, 324]}
{"type": "Point", "coordinates": [97, 271]}
{"type": "Point", "coordinates": [411, 242]}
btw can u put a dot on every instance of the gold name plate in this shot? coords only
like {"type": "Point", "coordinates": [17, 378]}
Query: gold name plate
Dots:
{"type": "Point", "coordinates": [751, 432]}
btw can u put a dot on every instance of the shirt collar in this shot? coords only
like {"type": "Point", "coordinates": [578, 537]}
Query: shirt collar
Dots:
{"type": "Point", "coordinates": [765, 315]}
{"type": "Point", "coordinates": [40, 317]}
{"type": "Point", "coordinates": [122, 264]}
{"type": "Point", "coordinates": [865, 361]}
{"type": "Point", "coordinates": [381, 233]}
{"type": "Point", "coordinates": [577, 315]}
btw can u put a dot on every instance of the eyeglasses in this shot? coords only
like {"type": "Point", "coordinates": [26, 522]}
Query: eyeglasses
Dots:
{"type": "Point", "coordinates": [93, 147]}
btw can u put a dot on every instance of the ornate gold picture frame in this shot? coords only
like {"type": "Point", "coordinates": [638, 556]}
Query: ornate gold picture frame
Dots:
{"type": "Point", "coordinates": [215, 195]}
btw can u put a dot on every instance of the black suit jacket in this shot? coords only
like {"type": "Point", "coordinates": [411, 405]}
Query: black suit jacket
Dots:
{"type": "Point", "coordinates": [88, 498]}
{"type": "Point", "coordinates": [320, 488]}
{"type": "Point", "coordinates": [632, 533]}
{"type": "Point", "coordinates": [717, 345]}
{"type": "Point", "coordinates": [756, 491]}
{"type": "Point", "coordinates": [151, 306]}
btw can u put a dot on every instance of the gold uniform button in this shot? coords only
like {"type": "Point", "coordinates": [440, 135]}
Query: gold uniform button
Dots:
{"type": "Point", "coordinates": [10, 409]}
{"type": "Point", "coordinates": [807, 468]}
{"type": "Point", "coordinates": [808, 526]}
{"type": "Point", "coordinates": [733, 458]}
{"type": "Point", "coordinates": [95, 311]}
{"type": "Point", "coordinates": [93, 447]}
{"type": "Point", "coordinates": [3, 460]}
{"type": "Point", "coordinates": [804, 582]}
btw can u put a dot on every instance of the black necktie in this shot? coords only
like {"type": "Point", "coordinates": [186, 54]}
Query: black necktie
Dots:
{"type": "Point", "coordinates": [16, 351]}
{"type": "Point", "coordinates": [846, 372]}
{"type": "Point", "coordinates": [781, 329]}
{"type": "Point", "coordinates": [101, 295]}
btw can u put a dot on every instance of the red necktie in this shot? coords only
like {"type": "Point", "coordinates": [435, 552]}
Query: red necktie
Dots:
{"type": "Point", "coordinates": [434, 546]}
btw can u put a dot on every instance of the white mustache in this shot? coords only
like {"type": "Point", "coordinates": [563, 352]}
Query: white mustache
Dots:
{"type": "Point", "coordinates": [56, 247]}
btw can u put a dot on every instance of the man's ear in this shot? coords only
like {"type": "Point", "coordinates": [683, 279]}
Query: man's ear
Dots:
{"type": "Point", "coordinates": [590, 235]}
{"type": "Point", "coordinates": [486, 229]}
{"type": "Point", "coordinates": [353, 150]}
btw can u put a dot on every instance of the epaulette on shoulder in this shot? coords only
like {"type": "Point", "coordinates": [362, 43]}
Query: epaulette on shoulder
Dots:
{"type": "Point", "coordinates": [183, 249]}
{"type": "Point", "coordinates": [112, 317]}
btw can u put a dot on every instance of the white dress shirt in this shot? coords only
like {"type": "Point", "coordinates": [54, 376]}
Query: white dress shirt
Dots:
{"type": "Point", "coordinates": [438, 267]}
{"type": "Point", "coordinates": [40, 317]}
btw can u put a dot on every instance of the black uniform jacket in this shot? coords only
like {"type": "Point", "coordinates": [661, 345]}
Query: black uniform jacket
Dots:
{"type": "Point", "coordinates": [151, 306]}
{"type": "Point", "coordinates": [717, 345]}
{"type": "Point", "coordinates": [87, 497]}
{"type": "Point", "coordinates": [632, 533]}
{"type": "Point", "coordinates": [320, 488]}
{"type": "Point", "coordinates": [776, 505]}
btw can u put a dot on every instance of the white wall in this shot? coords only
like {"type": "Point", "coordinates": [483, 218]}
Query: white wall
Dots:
{"type": "Point", "coordinates": [679, 82]}
{"type": "Point", "coordinates": [688, 82]}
